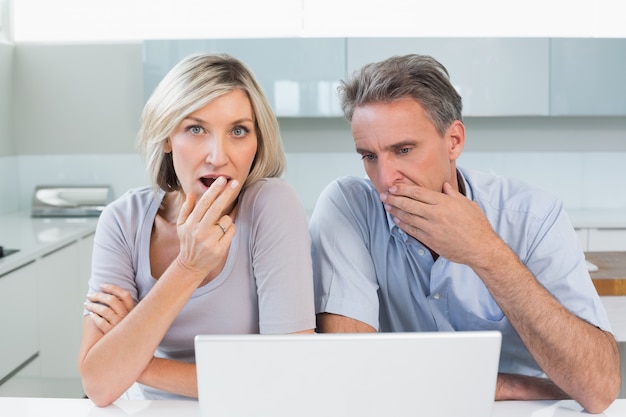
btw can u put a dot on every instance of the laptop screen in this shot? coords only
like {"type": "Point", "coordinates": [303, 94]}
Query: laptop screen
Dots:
{"type": "Point", "coordinates": [443, 374]}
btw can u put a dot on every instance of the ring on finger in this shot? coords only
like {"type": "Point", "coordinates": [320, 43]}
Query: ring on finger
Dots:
{"type": "Point", "coordinates": [223, 228]}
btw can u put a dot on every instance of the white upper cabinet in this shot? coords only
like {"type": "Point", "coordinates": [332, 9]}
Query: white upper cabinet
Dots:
{"type": "Point", "coordinates": [299, 76]}
{"type": "Point", "coordinates": [495, 76]}
{"type": "Point", "coordinates": [588, 77]}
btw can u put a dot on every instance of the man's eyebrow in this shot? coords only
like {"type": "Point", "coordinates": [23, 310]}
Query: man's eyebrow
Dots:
{"type": "Point", "coordinates": [392, 147]}
{"type": "Point", "coordinates": [399, 145]}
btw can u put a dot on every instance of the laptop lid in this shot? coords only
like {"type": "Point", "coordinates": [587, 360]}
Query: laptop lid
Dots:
{"type": "Point", "coordinates": [443, 374]}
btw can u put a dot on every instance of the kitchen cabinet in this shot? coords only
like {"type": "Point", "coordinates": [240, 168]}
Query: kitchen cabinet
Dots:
{"type": "Point", "coordinates": [55, 284]}
{"type": "Point", "coordinates": [607, 240]}
{"type": "Point", "coordinates": [587, 77]}
{"type": "Point", "coordinates": [495, 76]}
{"type": "Point", "coordinates": [298, 75]}
{"type": "Point", "coordinates": [602, 239]}
{"type": "Point", "coordinates": [583, 237]}
{"type": "Point", "coordinates": [63, 276]}
{"type": "Point", "coordinates": [18, 319]}
{"type": "Point", "coordinates": [42, 289]}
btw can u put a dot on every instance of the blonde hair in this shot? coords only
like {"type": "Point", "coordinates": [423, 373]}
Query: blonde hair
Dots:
{"type": "Point", "coordinates": [193, 83]}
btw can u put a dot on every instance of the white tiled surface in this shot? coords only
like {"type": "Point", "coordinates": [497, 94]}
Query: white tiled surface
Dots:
{"type": "Point", "coordinates": [310, 172]}
{"type": "Point", "coordinates": [122, 171]}
{"type": "Point", "coordinates": [604, 179]}
{"type": "Point", "coordinates": [8, 184]}
{"type": "Point", "coordinates": [583, 180]}
{"type": "Point", "coordinates": [560, 173]}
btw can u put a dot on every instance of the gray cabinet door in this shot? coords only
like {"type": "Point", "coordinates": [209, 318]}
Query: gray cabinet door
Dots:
{"type": "Point", "coordinates": [299, 76]}
{"type": "Point", "coordinates": [18, 318]}
{"type": "Point", "coordinates": [588, 77]}
{"type": "Point", "coordinates": [495, 76]}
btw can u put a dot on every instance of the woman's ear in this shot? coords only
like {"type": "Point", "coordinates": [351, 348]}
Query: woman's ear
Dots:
{"type": "Point", "coordinates": [167, 146]}
{"type": "Point", "coordinates": [456, 139]}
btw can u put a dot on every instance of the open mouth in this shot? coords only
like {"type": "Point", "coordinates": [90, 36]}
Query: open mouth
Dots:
{"type": "Point", "coordinates": [207, 181]}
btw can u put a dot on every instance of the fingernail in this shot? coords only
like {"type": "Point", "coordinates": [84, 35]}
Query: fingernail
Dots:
{"type": "Point", "coordinates": [383, 196]}
{"type": "Point", "coordinates": [393, 189]}
{"type": "Point", "coordinates": [234, 184]}
{"type": "Point", "coordinates": [221, 181]}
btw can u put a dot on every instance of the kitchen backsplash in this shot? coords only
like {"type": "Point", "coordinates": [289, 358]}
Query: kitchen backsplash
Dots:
{"type": "Point", "coordinates": [9, 184]}
{"type": "Point", "coordinates": [583, 180]}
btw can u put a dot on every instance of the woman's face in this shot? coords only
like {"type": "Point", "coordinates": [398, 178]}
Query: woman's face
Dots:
{"type": "Point", "coordinates": [217, 140]}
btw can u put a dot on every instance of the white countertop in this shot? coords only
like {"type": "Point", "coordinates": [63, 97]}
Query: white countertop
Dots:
{"type": "Point", "coordinates": [597, 218]}
{"type": "Point", "coordinates": [35, 237]}
{"type": "Point", "coordinates": [62, 407]}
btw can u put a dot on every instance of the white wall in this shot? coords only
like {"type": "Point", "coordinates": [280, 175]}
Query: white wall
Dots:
{"type": "Point", "coordinates": [6, 97]}
{"type": "Point", "coordinates": [8, 161]}
{"type": "Point", "coordinates": [77, 98]}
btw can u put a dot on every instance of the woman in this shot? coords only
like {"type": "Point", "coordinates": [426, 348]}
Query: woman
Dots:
{"type": "Point", "coordinates": [219, 244]}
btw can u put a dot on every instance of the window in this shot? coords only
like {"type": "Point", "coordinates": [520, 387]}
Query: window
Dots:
{"type": "Point", "coordinates": [115, 20]}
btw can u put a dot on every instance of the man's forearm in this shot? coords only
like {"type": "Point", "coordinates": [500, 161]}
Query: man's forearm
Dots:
{"type": "Point", "coordinates": [579, 358]}
{"type": "Point", "coordinates": [335, 323]}
{"type": "Point", "coordinates": [522, 387]}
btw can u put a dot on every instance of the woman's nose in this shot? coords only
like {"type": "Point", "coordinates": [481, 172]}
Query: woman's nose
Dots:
{"type": "Point", "coordinates": [217, 153]}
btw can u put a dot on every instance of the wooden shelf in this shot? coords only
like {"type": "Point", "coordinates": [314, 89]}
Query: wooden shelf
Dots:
{"type": "Point", "coordinates": [610, 278]}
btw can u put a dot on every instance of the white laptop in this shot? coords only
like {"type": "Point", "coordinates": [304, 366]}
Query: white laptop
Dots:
{"type": "Point", "coordinates": [438, 374]}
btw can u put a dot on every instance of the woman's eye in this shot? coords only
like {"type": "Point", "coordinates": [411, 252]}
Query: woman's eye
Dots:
{"type": "Point", "coordinates": [195, 130]}
{"type": "Point", "coordinates": [239, 131]}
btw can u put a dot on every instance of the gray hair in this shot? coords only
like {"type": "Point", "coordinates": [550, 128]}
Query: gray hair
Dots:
{"type": "Point", "coordinates": [190, 85]}
{"type": "Point", "coordinates": [414, 76]}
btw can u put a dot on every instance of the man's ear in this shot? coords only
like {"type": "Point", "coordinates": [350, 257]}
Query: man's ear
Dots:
{"type": "Point", "coordinates": [456, 139]}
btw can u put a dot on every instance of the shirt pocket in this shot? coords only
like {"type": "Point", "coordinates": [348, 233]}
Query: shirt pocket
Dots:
{"type": "Point", "coordinates": [476, 311]}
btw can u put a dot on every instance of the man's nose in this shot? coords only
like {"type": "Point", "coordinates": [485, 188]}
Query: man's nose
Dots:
{"type": "Point", "coordinates": [388, 173]}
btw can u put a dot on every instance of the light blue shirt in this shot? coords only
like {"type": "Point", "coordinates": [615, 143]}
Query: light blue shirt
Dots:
{"type": "Point", "coordinates": [365, 267]}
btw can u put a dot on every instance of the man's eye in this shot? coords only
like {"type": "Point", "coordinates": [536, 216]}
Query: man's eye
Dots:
{"type": "Point", "coordinates": [368, 157]}
{"type": "Point", "coordinates": [403, 150]}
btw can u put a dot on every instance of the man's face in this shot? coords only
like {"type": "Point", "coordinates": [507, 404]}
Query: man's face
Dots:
{"type": "Point", "coordinates": [399, 144]}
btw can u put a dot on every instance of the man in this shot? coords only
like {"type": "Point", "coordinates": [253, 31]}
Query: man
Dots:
{"type": "Point", "coordinates": [422, 245]}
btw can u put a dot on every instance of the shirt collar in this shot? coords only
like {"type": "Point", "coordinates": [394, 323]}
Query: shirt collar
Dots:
{"type": "Point", "coordinates": [464, 187]}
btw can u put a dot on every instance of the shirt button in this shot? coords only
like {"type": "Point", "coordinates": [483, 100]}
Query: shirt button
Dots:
{"type": "Point", "coordinates": [436, 296]}
{"type": "Point", "coordinates": [420, 252]}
